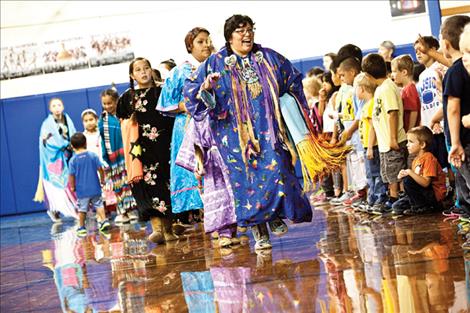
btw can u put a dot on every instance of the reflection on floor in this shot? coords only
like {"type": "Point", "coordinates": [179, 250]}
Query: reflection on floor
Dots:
{"type": "Point", "coordinates": [338, 263]}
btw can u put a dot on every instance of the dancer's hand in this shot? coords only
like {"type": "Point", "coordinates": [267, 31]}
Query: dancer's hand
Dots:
{"type": "Point", "coordinates": [210, 80]}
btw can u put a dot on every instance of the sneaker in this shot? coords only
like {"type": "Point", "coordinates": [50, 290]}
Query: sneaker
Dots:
{"type": "Point", "coordinates": [81, 232]}
{"type": "Point", "coordinates": [278, 227]}
{"type": "Point", "coordinates": [263, 244]}
{"type": "Point", "coordinates": [453, 212]}
{"type": "Point", "coordinates": [362, 203]}
{"type": "Point", "coordinates": [104, 226]}
{"type": "Point", "coordinates": [358, 197]}
{"type": "Point", "coordinates": [401, 205]}
{"type": "Point", "coordinates": [121, 219]}
{"type": "Point", "coordinates": [334, 201]}
{"type": "Point", "coordinates": [389, 203]}
{"type": "Point", "coordinates": [379, 209]}
{"type": "Point", "coordinates": [340, 200]}
{"type": "Point", "coordinates": [54, 216]}
{"type": "Point", "coordinates": [361, 206]}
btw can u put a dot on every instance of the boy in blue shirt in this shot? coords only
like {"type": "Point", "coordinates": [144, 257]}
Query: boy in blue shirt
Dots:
{"type": "Point", "coordinates": [84, 180]}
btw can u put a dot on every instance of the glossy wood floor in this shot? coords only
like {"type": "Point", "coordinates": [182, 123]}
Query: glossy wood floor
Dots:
{"type": "Point", "coordinates": [338, 263]}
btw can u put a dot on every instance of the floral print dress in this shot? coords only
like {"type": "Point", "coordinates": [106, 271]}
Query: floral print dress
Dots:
{"type": "Point", "coordinates": [152, 148]}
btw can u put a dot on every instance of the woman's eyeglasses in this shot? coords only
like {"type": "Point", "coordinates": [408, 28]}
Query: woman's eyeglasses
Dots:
{"type": "Point", "coordinates": [243, 31]}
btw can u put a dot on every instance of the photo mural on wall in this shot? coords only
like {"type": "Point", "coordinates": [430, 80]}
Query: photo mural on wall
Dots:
{"type": "Point", "coordinates": [65, 55]}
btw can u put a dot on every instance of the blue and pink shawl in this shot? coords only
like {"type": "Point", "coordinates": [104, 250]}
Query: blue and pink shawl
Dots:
{"type": "Point", "coordinates": [53, 169]}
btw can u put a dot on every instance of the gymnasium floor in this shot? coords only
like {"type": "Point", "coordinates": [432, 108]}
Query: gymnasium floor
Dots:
{"type": "Point", "coordinates": [338, 263]}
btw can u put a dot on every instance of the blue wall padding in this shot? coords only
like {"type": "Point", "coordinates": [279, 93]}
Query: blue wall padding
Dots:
{"type": "Point", "coordinates": [7, 198]}
{"type": "Point", "coordinates": [21, 120]}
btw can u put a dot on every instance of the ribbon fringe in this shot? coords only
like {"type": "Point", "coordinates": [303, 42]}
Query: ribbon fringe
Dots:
{"type": "Point", "coordinates": [319, 158]}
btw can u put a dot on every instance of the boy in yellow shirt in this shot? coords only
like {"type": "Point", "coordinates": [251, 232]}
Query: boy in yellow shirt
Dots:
{"type": "Point", "coordinates": [365, 86]}
{"type": "Point", "coordinates": [387, 119]}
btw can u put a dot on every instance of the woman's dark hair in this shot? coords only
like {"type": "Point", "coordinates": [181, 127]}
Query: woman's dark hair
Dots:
{"type": "Point", "coordinates": [232, 23]}
{"type": "Point", "coordinates": [191, 35]}
{"type": "Point", "coordinates": [326, 78]}
{"type": "Point", "coordinates": [110, 92]}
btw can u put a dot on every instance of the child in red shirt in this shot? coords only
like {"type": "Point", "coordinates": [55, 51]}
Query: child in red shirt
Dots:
{"type": "Point", "coordinates": [402, 75]}
{"type": "Point", "coordinates": [425, 182]}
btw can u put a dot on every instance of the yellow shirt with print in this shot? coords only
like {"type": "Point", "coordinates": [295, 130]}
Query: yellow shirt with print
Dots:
{"type": "Point", "coordinates": [345, 99]}
{"type": "Point", "coordinates": [387, 98]}
{"type": "Point", "coordinates": [366, 122]}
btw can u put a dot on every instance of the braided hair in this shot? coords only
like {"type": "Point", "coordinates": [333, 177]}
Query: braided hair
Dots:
{"type": "Point", "coordinates": [131, 83]}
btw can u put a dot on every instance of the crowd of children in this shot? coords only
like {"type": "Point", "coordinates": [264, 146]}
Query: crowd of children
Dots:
{"type": "Point", "coordinates": [409, 138]}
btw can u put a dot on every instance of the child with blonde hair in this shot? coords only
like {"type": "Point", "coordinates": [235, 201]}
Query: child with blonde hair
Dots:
{"type": "Point", "coordinates": [365, 86]}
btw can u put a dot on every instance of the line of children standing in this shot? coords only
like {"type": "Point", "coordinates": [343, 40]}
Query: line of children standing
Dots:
{"type": "Point", "coordinates": [349, 107]}
{"type": "Point", "coordinates": [382, 131]}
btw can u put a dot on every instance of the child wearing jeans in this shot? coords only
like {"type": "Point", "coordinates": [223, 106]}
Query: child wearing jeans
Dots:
{"type": "Point", "coordinates": [425, 182]}
{"type": "Point", "coordinates": [377, 194]}
{"type": "Point", "coordinates": [387, 119]}
{"type": "Point", "coordinates": [83, 178]}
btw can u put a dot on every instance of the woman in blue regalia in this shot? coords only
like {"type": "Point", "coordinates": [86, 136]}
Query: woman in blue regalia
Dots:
{"type": "Point", "coordinates": [239, 87]}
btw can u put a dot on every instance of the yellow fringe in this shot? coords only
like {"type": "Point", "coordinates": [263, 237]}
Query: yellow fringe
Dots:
{"type": "Point", "coordinates": [319, 158]}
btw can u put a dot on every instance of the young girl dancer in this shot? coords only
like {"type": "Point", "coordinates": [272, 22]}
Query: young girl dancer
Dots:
{"type": "Point", "coordinates": [147, 139]}
{"type": "Point", "coordinates": [113, 154]}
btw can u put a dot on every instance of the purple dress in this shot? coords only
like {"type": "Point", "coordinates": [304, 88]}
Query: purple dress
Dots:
{"type": "Point", "coordinates": [249, 133]}
{"type": "Point", "coordinates": [219, 208]}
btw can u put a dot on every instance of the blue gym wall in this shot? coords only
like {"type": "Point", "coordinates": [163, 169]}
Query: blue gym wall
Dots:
{"type": "Point", "coordinates": [20, 121]}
